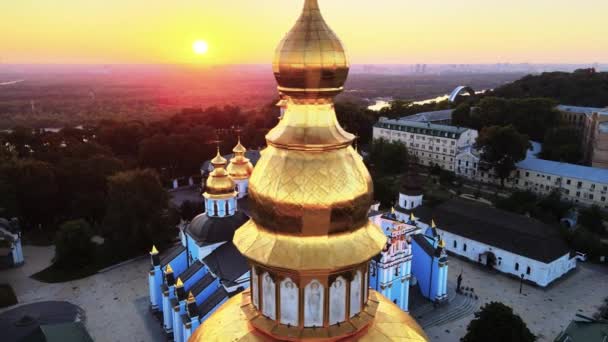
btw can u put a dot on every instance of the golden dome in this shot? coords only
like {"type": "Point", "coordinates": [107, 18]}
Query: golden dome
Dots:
{"type": "Point", "coordinates": [236, 320]}
{"type": "Point", "coordinates": [239, 148]}
{"type": "Point", "coordinates": [240, 167]}
{"type": "Point", "coordinates": [309, 196]}
{"type": "Point", "coordinates": [310, 61]}
{"type": "Point", "coordinates": [219, 183]}
{"type": "Point", "coordinates": [218, 160]}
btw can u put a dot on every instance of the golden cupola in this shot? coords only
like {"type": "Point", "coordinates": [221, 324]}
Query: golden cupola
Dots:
{"type": "Point", "coordinates": [309, 241]}
{"type": "Point", "coordinates": [219, 183]}
{"type": "Point", "coordinates": [240, 167]}
{"type": "Point", "coordinates": [310, 61]}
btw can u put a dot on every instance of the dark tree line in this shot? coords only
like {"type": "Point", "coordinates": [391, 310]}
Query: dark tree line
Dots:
{"type": "Point", "coordinates": [583, 87]}
{"type": "Point", "coordinates": [107, 179]}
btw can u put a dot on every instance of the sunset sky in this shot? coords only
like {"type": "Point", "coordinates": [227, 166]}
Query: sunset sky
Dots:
{"type": "Point", "coordinates": [247, 31]}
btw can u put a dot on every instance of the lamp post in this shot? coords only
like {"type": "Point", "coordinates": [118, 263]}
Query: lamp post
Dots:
{"type": "Point", "coordinates": [521, 283]}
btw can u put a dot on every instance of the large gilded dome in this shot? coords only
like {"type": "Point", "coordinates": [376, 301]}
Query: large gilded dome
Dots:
{"type": "Point", "coordinates": [309, 241]}
{"type": "Point", "coordinates": [310, 60]}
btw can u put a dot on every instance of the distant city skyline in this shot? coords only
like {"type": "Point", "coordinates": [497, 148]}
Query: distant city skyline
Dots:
{"type": "Point", "coordinates": [246, 32]}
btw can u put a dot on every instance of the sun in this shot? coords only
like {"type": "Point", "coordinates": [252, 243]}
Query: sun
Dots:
{"type": "Point", "coordinates": [200, 47]}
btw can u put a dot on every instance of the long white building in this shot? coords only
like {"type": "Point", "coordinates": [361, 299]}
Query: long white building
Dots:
{"type": "Point", "coordinates": [431, 143]}
{"type": "Point", "coordinates": [508, 242]}
{"type": "Point", "coordinates": [582, 185]}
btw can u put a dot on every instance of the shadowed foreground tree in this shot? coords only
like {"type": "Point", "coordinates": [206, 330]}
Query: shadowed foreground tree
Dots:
{"type": "Point", "coordinates": [387, 157]}
{"type": "Point", "coordinates": [502, 147]}
{"type": "Point", "coordinates": [73, 246]}
{"type": "Point", "coordinates": [137, 212]}
{"type": "Point", "coordinates": [497, 322]}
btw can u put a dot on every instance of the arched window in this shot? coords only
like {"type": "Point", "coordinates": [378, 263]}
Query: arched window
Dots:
{"type": "Point", "coordinates": [528, 270]}
{"type": "Point", "coordinates": [268, 296]}
{"type": "Point", "coordinates": [464, 247]}
{"type": "Point", "coordinates": [255, 290]}
{"type": "Point", "coordinates": [355, 294]}
{"type": "Point", "coordinates": [313, 304]}
{"type": "Point", "coordinates": [455, 244]}
{"type": "Point", "coordinates": [517, 266]}
{"type": "Point", "coordinates": [289, 302]}
{"type": "Point", "coordinates": [337, 301]}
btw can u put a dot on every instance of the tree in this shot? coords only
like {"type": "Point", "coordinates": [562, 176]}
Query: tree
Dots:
{"type": "Point", "coordinates": [388, 158]}
{"type": "Point", "coordinates": [593, 219]}
{"type": "Point", "coordinates": [137, 212]}
{"type": "Point", "coordinates": [562, 144]}
{"type": "Point", "coordinates": [583, 87]}
{"type": "Point", "coordinates": [37, 191]}
{"type": "Point", "coordinates": [502, 147]}
{"type": "Point", "coordinates": [498, 323]}
{"type": "Point", "coordinates": [73, 246]}
{"type": "Point", "coordinates": [189, 209]}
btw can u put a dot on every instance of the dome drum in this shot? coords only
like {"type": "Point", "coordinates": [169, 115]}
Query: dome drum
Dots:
{"type": "Point", "coordinates": [323, 301]}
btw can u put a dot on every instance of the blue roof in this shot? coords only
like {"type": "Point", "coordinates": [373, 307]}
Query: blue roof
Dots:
{"type": "Point", "coordinates": [578, 109]}
{"type": "Point", "coordinates": [438, 115]}
{"type": "Point", "coordinates": [420, 127]}
{"type": "Point", "coordinates": [588, 173]}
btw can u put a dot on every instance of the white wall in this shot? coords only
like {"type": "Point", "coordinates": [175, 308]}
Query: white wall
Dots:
{"type": "Point", "coordinates": [540, 273]}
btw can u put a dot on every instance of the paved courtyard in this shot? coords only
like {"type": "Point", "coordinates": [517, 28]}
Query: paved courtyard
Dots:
{"type": "Point", "coordinates": [546, 311]}
{"type": "Point", "coordinates": [115, 302]}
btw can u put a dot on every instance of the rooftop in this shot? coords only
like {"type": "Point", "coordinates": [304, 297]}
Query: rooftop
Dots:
{"type": "Point", "coordinates": [533, 163]}
{"type": "Point", "coordinates": [581, 110]}
{"type": "Point", "coordinates": [420, 127]}
{"type": "Point", "coordinates": [584, 331]}
{"type": "Point", "coordinates": [498, 228]}
{"type": "Point", "coordinates": [439, 115]}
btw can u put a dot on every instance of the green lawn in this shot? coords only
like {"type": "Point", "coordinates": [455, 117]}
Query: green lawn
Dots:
{"type": "Point", "coordinates": [54, 274]}
{"type": "Point", "coordinates": [7, 296]}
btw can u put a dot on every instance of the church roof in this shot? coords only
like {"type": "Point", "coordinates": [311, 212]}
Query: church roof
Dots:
{"type": "Point", "coordinates": [170, 254]}
{"type": "Point", "coordinates": [214, 299]}
{"type": "Point", "coordinates": [209, 230]}
{"type": "Point", "coordinates": [498, 228]}
{"type": "Point", "coordinates": [190, 271]}
{"type": "Point", "coordinates": [202, 284]}
{"type": "Point", "coordinates": [227, 263]}
{"type": "Point", "coordinates": [424, 244]}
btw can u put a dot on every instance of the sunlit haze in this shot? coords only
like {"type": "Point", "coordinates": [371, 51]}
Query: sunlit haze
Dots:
{"type": "Point", "coordinates": [246, 31]}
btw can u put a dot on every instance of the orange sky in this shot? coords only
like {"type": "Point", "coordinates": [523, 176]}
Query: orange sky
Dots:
{"type": "Point", "coordinates": [247, 31]}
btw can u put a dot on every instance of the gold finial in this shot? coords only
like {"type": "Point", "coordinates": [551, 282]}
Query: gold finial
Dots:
{"type": "Point", "coordinates": [441, 243]}
{"type": "Point", "coordinates": [179, 282]}
{"type": "Point", "coordinates": [392, 210]}
{"type": "Point", "coordinates": [310, 62]}
{"type": "Point", "coordinates": [168, 269]}
{"type": "Point", "coordinates": [433, 225]}
{"type": "Point", "coordinates": [218, 161]}
{"type": "Point", "coordinates": [191, 298]}
{"type": "Point", "coordinates": [154, 251]}
{"type": "Point", "coordinates": [412, 217]}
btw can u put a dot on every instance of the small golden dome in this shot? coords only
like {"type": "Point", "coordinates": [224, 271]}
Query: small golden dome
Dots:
{"type": "Point", "coordinates": [218, 160]}
{"type": "Point", "coordinates": [240, 167]}
{"type": "Point", "coordinates": [239, 148]}
{"type": "Point", "coordinates": [219, 181]}
{"type": "Point", "coordinates": [310, 62]}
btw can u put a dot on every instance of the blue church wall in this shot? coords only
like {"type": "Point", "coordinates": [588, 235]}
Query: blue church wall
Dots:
{"type": "Point", "coordinates": [179, 264]}
{"type": "Point", "coordinates": [373, 276]}
{"type": "Point", "coordinates": [192, 248]}
{"type": "Point", "coordinates": [195, 278]}
{"type": "Point", "coordinates": [208, 291]}
{"type": "Point", "coordinates": [426, 270]}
